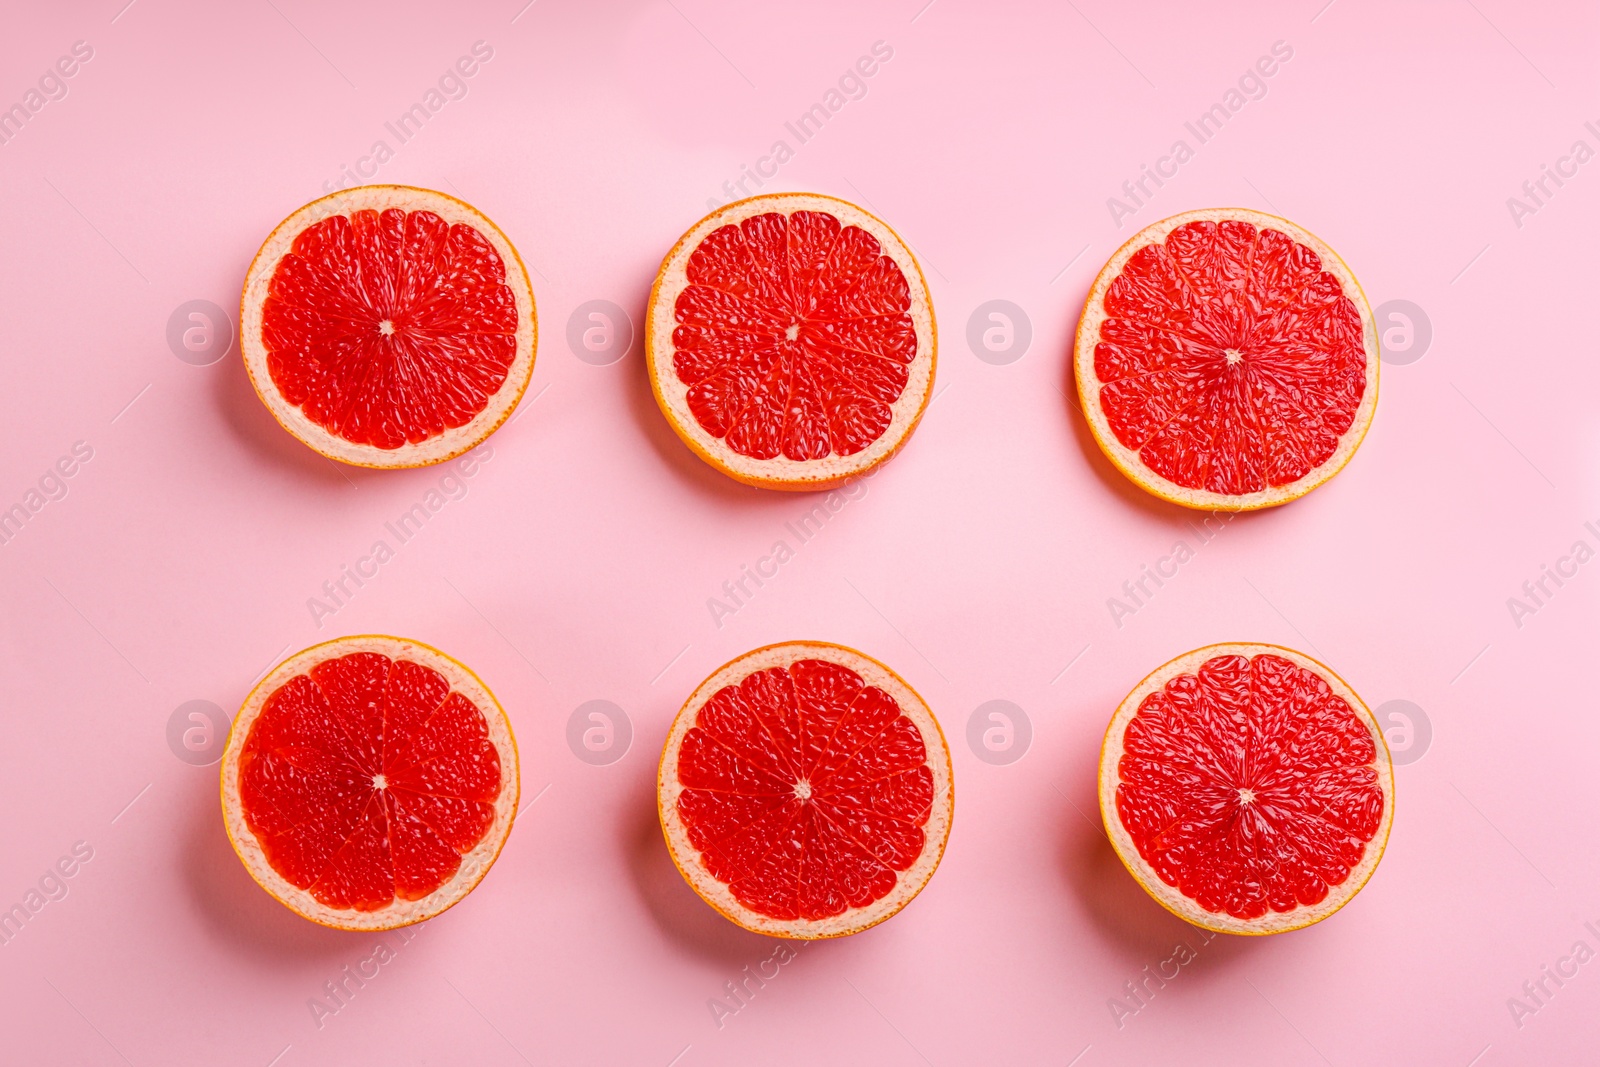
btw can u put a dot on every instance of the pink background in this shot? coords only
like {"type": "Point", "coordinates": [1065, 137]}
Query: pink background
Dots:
{"type": "Point", "coordinates": [978, 564]}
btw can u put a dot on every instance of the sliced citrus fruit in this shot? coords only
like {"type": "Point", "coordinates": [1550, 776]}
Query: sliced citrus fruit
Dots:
{"type": "Point", "coordinates": [1247, 788]}
{"type": "Point", "coordinates": [1227, 360]}
{"type": "Point", "coordinates": [805, 791]}
{"type": "Point", "coordinates": [791, 341]}
{"type": "Point", "coordinates": [369, 782]}
{"type": "Point", "coordinates": [387, 326]}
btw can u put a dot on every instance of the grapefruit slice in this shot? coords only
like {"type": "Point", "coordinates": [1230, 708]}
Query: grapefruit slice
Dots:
{"type": "Point", "coordinates": [1227, 360]}
{"type": "Point", "coordinates": [1247, 788]}
{"type": "Point", "coordinates": [369, 782]}
{"type": "Point", "coordinates": [791, 341]}
{"type": "Point", "coordinates": [387, 326]}
{"type": "Point", "coordinates": [805, 791]}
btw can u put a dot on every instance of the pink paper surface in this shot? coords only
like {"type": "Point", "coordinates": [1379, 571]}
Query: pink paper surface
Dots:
{"type": "Point", "coordinates": [577, 563]}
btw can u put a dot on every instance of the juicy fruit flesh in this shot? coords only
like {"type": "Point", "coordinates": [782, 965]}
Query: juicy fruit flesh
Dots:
{"type": "Point", "coordinates": [367, 779]}
{"type": "Point", "coordinates": [805, 790]}
{"type": "Point", "coordinates": [1229, 359]}
{"type": "Point", "coordinates": [1249, 786]}
{"type": "Point", "coordinates": [793, 336]}
{"type": "Point", "coordinates": [387, 329]}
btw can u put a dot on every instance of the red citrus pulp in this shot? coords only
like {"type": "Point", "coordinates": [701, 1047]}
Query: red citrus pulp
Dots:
{"type": "Point", "coordinates": [369, 782]}
{"type": "Point", "coordinates": [791, 340]}
{"type": "Point", "coordinates": [805, 791]}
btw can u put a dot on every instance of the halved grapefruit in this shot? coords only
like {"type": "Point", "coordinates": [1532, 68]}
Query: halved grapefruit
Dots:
{"type": "Point", "coordinates": [1247, 788]}
{"type": "Point", "coordinates": [1227, 360]}
{"type": "Point", "coordinates": [369, 782]}
{"type": "Point", "coordinates": [805, 791]}
{"type": "Point", "coordinates": [791, 341]}
{"type": "Point", "coordinates": [387, 326]}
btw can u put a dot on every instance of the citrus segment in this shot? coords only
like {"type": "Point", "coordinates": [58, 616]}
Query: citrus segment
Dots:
{"type": "Point", "coordinates": [388, 326]}
{"type": "Point", "coordinates": [805, 791]}
{"type": "Point", "coordinates": [800, 336]}
{"type": "Point", "coordinates": [369, 782]}
{"type": "Point", "coordinates": [1227, 359]}
{"type": "Point", "coordinates": [1247, 788]}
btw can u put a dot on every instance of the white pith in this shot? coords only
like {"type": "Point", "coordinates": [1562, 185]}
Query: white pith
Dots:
{"type": "Point", "coordinates": [1128, 460]}
{"type": "Point", "coordinates": [781, 472]}
{"type": "Point", "coordinates": [474, 864]}
{"type": "Point", "coordinates": [436, 449]}
{"type": "Point", "coordinates": [1169, 896]}
{"type": "Point", "coordinates": [936, 830]}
